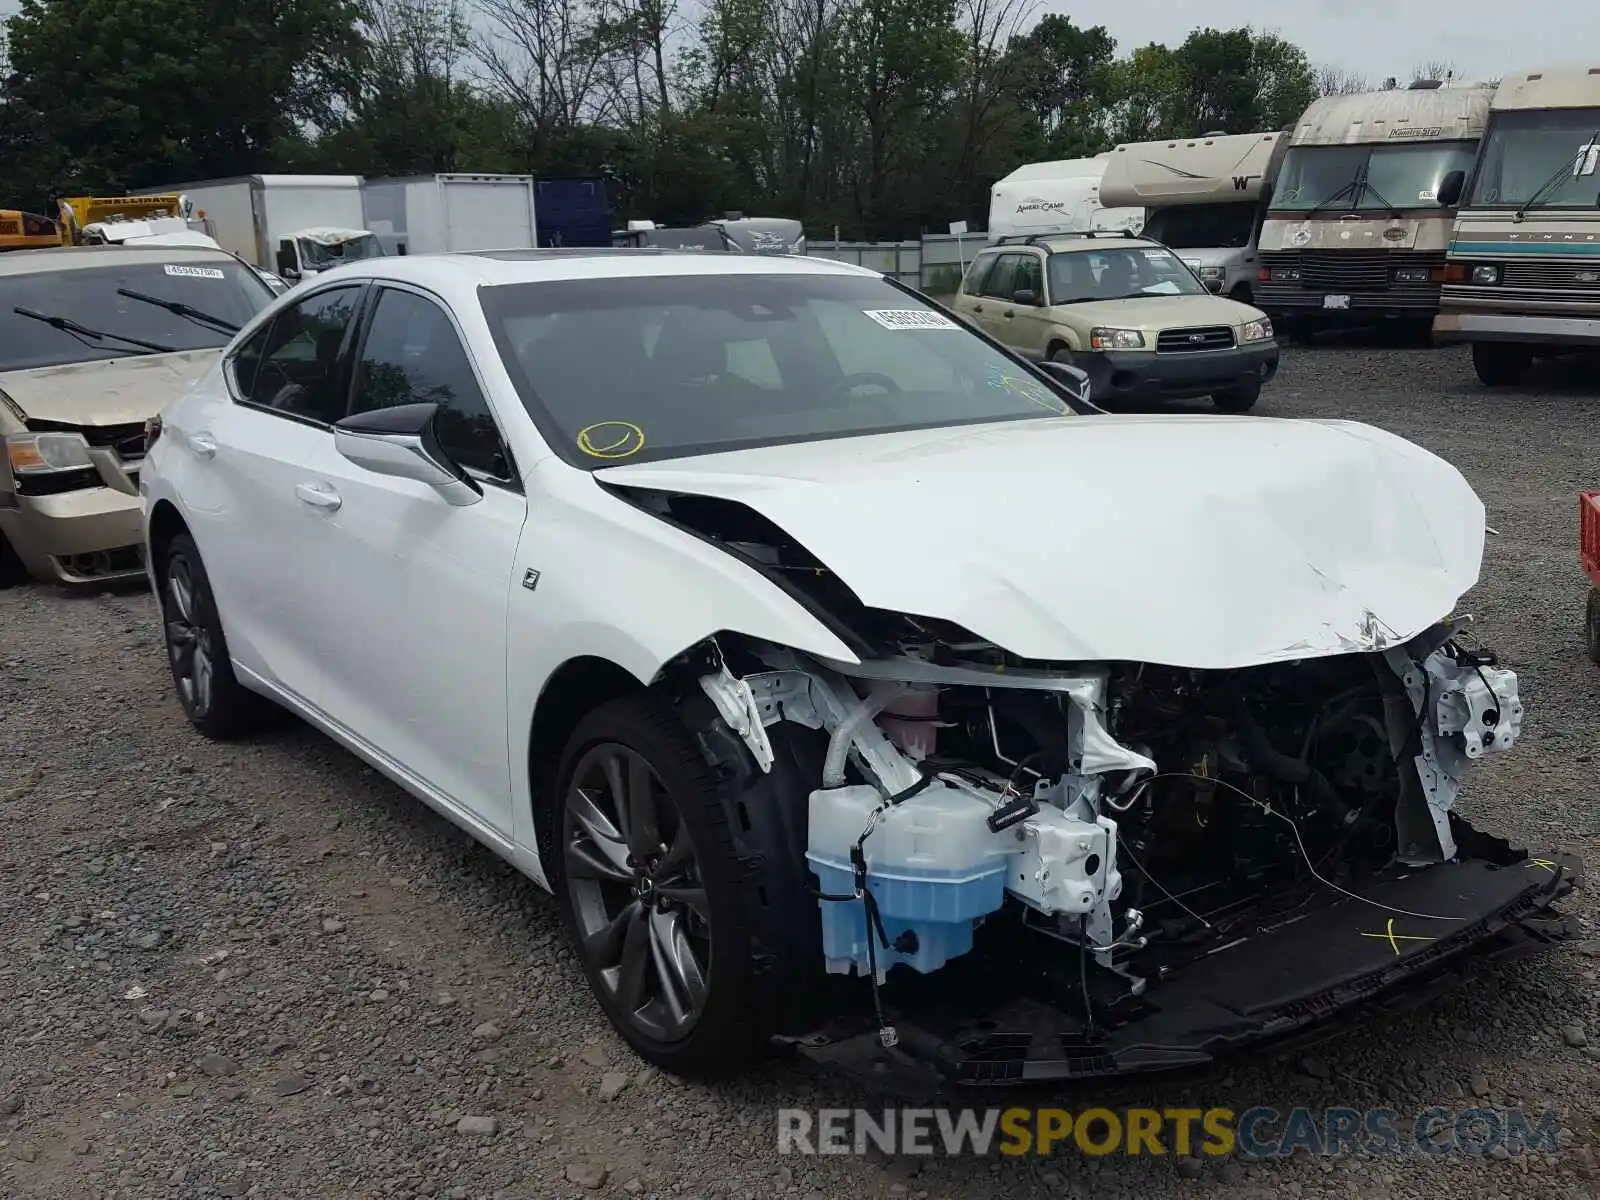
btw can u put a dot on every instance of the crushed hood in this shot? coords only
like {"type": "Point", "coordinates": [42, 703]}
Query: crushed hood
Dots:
{"type": "Point", "coordinates": [1194, 541]}
{"type": "Point", "coordinates": [113, 391]}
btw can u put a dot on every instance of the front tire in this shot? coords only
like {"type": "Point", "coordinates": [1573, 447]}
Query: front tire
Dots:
{"type": "Point", "coordinates": [213, 699]}
{"type": "Point", "coordinates": [666, 915]}
{"type": "Point", "coordinates": [12, 572]}
{"type": "Point", "coordinates": [1500, 364]}
{"type": "Point", "coordinates": [1239, 399]}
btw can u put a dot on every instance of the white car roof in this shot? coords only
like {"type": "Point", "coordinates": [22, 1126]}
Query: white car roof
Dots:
{"type": "Point", "coordinates": [492, 268]}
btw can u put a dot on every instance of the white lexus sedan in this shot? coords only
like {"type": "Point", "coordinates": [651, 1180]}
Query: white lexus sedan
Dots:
{"type": "Point", "coordinates": [854, 684]}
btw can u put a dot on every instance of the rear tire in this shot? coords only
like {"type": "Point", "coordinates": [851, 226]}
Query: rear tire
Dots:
{"type": "Point", "coordinates": [1239, 399]}
{"type": "Point", "coordinates": [1500, 364]}
{"type": "Point", "coordinates": [1592, 625]}
{"type": "Point", "coordinates": [12, 572]}
{"type": "Point", "coordinates": [708, 876]}
{"type": "Point", "coordinates": [213, 699]}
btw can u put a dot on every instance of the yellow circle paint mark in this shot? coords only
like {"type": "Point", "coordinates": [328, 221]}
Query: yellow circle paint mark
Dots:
{"type": "Point", "coordinates": [611, 439]}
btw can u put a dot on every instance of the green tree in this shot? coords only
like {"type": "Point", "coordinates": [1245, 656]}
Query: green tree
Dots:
{"type": "Point", "coordinates": [105, 95]}
{"type": "Point", "coordinates": [1063, 78]}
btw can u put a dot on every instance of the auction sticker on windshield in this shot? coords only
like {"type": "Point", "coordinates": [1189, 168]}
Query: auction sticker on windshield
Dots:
{"type": "Point", "coordinates": [194, 272]}
{"type": "Point", "coordinates": [910, 318]}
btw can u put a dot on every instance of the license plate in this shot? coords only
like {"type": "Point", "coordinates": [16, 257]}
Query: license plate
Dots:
{"type": "Point", "coordinates": [1336, 302]}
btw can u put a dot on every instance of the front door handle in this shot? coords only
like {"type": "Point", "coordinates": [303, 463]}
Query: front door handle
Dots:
{"type": "Point", "coordinates": [203, 445]}
{"type": "Point", "coordinates": [318, 495]}
{"type": "Point", "coordinates": [1009, 313]}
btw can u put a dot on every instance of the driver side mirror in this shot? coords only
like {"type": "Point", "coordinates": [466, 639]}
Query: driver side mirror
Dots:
{"type": "Point", "coordinates": [1075, 379]}
{"type": "Point", "coordinates": [1450, 189]}
{"type": "Point", "coordinates": [288, 268]}
{"type": "Point", "coordinates": [1026, 297]}
{"type": "Point", "coordinates": [401, 442]}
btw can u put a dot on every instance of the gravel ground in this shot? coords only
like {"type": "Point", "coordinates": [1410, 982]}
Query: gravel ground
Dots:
{"type": "Point", "coordinates": [263, 971]}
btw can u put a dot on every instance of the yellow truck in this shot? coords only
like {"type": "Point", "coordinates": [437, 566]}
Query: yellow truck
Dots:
{"type": "Point", "coordinates": [1523, 276]}
{"type": "Point", "coordinates": [26, 231]}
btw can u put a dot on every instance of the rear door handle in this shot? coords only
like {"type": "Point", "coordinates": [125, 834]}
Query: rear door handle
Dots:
{"type": "Point", "coordinates": [977, 308]}
{"type": "Point", "coordinates": [318, 495]}
{"type": "Point", "coordinates": [203, 445]}
{"type": "Point", "coordinates": [1009, 313]}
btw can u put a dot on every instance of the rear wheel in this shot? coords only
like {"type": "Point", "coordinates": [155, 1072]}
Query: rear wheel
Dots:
{"type": "Point", "coordinates": [213, 699]}
{"type": "Point", "coordinates": [1592, 625]}
{"type": "Point", "coordinates": [1500, 364]}
{"type": "Point", "coordinates": [1238, 399]}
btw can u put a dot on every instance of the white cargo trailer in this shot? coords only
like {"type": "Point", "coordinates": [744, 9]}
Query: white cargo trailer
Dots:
{"type": "Point", "coordinates": [295, 225]}
{"type": "Point", "coordinates": [434, 214]}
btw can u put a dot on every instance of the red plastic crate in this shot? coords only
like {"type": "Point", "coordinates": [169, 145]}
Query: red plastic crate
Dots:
{"type": "Point", "coordinates": [1589, 533]}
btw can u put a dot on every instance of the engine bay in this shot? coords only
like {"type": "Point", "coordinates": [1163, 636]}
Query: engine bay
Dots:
{"type": "Point", "coordinates": [1098, 833]}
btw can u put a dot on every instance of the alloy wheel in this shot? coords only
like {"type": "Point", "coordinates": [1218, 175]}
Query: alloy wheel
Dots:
{"type": "Point", "coordinates": [637, 896]}
{"type": "Point", "coordinates": [188, 639]}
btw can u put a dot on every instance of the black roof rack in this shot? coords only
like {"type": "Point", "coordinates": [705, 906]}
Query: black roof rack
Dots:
{"type": "Point", "coordinates": [1029, 239]}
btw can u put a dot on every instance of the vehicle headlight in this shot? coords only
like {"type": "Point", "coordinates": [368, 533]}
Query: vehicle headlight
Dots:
{"type": "Point", "coordinates": [1256, 331]}
{"type": "Point", "coordinates": [1285, 274]}
{"type": "Point", "coordinates": [1211, 272]}
{"type": "Point", "coordinates": [43, 453]}
{"type": "Point", "coordinates": [1411, 275]}
{"type": "Point", "coordinates": [1101, 338]}
{"type": "Point", "coordinates": [1193, 264]}
{"type": "Point", "coordinates": [1486, 274]}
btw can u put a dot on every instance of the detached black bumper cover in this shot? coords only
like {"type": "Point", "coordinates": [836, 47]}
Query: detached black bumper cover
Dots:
{"type": "Point", "coordinates": [1001, 1021]}
{"type": "Point", "coordinates": [1146, 375]}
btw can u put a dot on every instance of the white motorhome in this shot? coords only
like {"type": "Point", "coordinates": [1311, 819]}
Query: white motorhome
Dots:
{"type": "Point", "coordinates": [1356, 226]}
{"type": "Point", "coordinates": [295, 225]}
{"type": "Point", "coordinates": [1202, 199]}
{"type": "Point", "coordinates": [1055, 197]}
{"type": "Point", "coordinates": [1523, 278]}
{"type": "Point", "coordinates": [436, 214]}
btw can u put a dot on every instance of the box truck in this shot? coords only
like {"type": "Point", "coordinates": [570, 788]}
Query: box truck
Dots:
{"type": "Point", "coordinates": [295, 225]}
{"type": "Point", "coordinates": [436, 214]}
{"type": "Point", "coordinates": [1202, 198]}
{"type": "Point", "coordinates": [1523, 274]}
{"type": "Point", "coordinates": [1056, 197]}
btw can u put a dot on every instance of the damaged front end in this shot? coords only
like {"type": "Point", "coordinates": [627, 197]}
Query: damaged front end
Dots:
{"type": "Point", "coordinates": [1033, 872]}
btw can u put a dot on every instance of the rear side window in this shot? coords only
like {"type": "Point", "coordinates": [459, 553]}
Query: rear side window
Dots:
{"type": "Point", "coordinates": [972, 285]}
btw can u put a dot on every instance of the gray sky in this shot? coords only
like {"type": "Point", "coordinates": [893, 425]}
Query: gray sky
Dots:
{"type": "Point", "coordinates": [1485, 39]}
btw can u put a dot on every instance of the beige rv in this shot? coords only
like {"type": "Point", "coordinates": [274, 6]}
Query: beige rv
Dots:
{"type": "Point", "coordinates": [1202, 199]}
{"type": "Point", "coordinates": [1358, 222]}
{"type": "Point", "coordinates": [1524, 272]}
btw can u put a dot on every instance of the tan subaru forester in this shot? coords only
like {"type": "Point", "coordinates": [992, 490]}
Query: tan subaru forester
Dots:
{"type": "Point", "coordinates": [1124, 309]}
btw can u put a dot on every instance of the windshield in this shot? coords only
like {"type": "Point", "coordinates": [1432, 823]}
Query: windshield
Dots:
{"type": "Point", "coordinates": [1400, 176]}
{"type": "Point", "coordinates": [1077, 276]}
{"type": "Point", "coordinates": [318, 255]}
{"type": "Point", "coordinates": [1524, 150]}
{"type": "Point", "coordinates": [650, 367]}
{"type": "Point", "coordinates": [1203, 226]}
{"type": "Point", "coordinates": [89, 296]}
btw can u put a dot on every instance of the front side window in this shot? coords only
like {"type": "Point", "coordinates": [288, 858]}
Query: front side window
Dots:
{"type": "Point", "coordinates": [1557, 150]}
{"type": "Point", "coordinates": [292, 366]}
{"type": "Point", "coordinates": [84, 314]}
{"type": "Point", "coordinates": [1002, 281]}
{"type": "Point", "coordinates": [640, 368]}
{"type": "Point", "coordinates": [1123, 273]}
{"type": "Point", "coordinates": [413, 355]}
